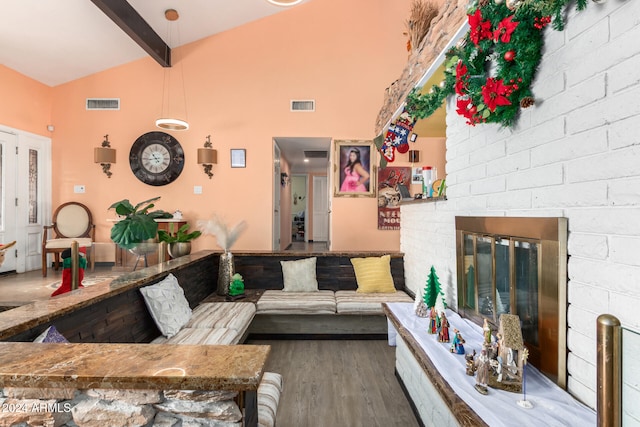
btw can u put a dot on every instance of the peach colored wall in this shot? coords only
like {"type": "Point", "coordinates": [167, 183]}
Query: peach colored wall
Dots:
{"type": "Point", "coordinates": [238, 87]}
{"type": "Point", "coordinates": [25, 104]}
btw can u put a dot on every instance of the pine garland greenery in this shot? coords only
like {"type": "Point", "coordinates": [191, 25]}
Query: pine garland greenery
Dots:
{"type": "Point", "coordinates": [491, 69]}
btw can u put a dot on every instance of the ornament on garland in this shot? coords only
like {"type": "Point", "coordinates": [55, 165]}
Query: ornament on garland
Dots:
{"type": "Point", "coordinates": [507, 34]}
{"type": "Point", "coordinates": [397, 136]}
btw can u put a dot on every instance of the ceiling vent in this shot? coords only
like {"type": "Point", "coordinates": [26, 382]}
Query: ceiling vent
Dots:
{"type": "Point", "coordinates": [103, 103]}
{"type": "Point", "coordinates": [315, 154]}
{"type": "Point", "coordinates": [307, 105]}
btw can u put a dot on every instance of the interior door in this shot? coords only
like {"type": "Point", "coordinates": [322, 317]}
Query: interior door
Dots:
{"type": "Point", "coordinates": [25, 196]}
{"type": "Point", "coordinates": [8, 161]}
{"type": "Point", "coordinates": [276, 197]}
{"type": "Point", "coordinates": [320, 209]}
{"type": "Point", "coordinates": [33, 188]}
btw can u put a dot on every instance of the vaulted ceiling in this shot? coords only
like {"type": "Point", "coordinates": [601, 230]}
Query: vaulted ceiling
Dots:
{"type": "Point", "coordinates": [56, 41]}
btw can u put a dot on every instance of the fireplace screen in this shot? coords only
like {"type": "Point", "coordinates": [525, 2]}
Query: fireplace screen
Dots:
{"type": "Point", "coordinates": [517, 266]}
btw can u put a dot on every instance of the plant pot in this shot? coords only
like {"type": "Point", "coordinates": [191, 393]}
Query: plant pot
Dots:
{"type": "Point", "coordinates": [178, 249]}
{"type": "Point", "coordinates": [146, 247]}
{"type": "Point", "coordinates": [225, 271]}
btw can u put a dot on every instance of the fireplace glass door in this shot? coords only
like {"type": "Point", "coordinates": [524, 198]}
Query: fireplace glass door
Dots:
{"type": "Point", "coordinates": [517, 266]}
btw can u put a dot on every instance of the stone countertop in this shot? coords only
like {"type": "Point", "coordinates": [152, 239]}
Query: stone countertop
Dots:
{"type": "Point", "coordinates": [132, 366]}
{"type": "Point", "coordinates": [22, 318]}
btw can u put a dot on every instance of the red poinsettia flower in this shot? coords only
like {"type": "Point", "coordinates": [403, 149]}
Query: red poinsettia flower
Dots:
{"type": "Point", "coordinates": [506, 27]}
{"type": "Point", "coordinates": [461, 78]}
{"type": "Point", "coordinates": [464, 105]}
{"type": "Point", "coordinates": [495, 93]}
{"type": "Point", "coordinates": [480, 29]}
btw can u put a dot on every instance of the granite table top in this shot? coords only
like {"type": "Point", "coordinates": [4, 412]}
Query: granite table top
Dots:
{"type": "Point", "coordinates": [132, 366]}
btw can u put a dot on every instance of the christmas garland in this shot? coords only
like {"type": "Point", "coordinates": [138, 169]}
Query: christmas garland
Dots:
{"type": "Point", "coordinates": [491, 69]}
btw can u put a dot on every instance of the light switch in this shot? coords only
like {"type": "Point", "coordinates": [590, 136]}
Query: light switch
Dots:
{"type": "Point", "coordinates": [197, 189]}
{"type": "Point", "coordinates": [78, 189]}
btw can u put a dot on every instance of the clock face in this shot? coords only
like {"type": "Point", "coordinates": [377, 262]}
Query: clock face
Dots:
{"type": "Point", "coordinates": [156, 158]}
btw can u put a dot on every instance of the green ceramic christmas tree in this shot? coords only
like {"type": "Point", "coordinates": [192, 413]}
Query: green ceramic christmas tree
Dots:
{"type": "Point", "coordinates": [432, 290]}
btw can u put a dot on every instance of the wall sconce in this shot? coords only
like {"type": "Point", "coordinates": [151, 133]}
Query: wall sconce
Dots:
{"type": "Point", "coordinates": [207, 157]}
{"type": "Point", "coordinates": [284, 178]}
{"type": "Point", "coordinates": [414, 156]}
{"type": "Point", "coordinates": [105, 155]}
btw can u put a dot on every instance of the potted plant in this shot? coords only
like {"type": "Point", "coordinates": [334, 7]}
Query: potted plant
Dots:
{"type": "Point", "coordinates": [137, 223]}
{"type": "Point", "coordinates": [178, 244]}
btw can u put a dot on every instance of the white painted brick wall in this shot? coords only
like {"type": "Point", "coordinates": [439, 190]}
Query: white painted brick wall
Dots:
{"type": "Point", "coordinates": [576, 154]}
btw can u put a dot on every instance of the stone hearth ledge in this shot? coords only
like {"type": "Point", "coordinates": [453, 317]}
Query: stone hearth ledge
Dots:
{"type": "Point", "coordinates": [132, 366]}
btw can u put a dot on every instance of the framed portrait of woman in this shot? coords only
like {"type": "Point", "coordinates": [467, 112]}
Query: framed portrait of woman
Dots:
{"type": "Point", "coordinates": [354, 170]}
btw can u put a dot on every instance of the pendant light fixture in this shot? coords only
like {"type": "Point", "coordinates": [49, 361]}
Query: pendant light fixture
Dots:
{"type": "Point", "coordinates": [284, 2]}
{"type": "Point", "coordinates": [166, 121]}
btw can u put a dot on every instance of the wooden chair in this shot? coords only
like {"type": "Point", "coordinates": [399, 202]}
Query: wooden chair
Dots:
{"type": "Point", "coordinates": [71, 221]}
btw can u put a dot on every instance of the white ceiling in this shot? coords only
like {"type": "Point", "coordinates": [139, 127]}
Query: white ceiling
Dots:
{"type": "Point", "coordinates": [56, 41]}
{"type": "Point", "coordinates": [292, 149]}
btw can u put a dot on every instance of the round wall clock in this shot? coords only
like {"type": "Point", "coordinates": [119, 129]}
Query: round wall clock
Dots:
{"type": "Point", "coordinates": [156, 158]}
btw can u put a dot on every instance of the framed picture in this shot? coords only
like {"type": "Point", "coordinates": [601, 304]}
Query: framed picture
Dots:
{"type": "Point", "coordinates": [392, 183]}
{"type": "Point", "coordinates": [238, 158]}
{"type": "Point", "coordinates": [353, 169]}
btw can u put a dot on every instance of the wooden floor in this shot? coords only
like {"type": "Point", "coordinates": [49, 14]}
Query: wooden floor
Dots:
{"type": "Point", "coordinates": [338, 384]}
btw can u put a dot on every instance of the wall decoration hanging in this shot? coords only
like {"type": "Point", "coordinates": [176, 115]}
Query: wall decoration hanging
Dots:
{"type": "Point", "coordinates": [156, 158]}
{"type": "Point", "coordinates": [491, 69]}
{"type": "Point", "coordinates": [389, 181]}
{"type": "Point", "coordinates": [397, 137]}
{"type": "Point", "coordinates": [353, 169]}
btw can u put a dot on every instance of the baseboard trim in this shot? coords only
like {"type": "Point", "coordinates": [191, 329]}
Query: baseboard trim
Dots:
{"type": "Point", "coordinates": [317, 337]}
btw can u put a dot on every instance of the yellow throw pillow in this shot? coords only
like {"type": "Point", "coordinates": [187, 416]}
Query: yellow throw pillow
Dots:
{"type": "Point", "coordinates": [373, 274]}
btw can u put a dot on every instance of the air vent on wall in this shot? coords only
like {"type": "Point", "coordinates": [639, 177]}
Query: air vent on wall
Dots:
{"type": "Point", "coordinates": [103, 103]}
{"type": "Point", "coordinates": [315, 154]}
{"type": "Point", "coordinates": [308, 105]}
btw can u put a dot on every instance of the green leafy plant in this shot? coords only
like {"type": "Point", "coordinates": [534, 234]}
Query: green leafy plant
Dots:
{"type": "Point", "coordinates": [180, 236]}
{"type": "Point", "coordinates": [138, 223]}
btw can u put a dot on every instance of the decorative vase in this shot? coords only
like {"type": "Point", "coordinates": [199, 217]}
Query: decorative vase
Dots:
{"type": "Point", "coordinates": [225, 271]}
{"type": "Point", "coordinates": [179, 249]}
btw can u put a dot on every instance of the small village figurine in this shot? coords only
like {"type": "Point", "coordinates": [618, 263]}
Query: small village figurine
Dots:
{"type": "Point", "coordinates": [482, 372]}
{"type": "Point", "coordinates": [443, 329]}
{"type": "Point", "coordinates": [470, 365]}
{"type": "Point", "coordinates": [433, 321]}
{"type": "Point", "coordinates": [236, 287]}
{"type": "Point", "coordinates": [486, 331]}
{"type": "Point", "coordinates": [456, 343]}
{"type": "Point", "coordinates": [421, 309]}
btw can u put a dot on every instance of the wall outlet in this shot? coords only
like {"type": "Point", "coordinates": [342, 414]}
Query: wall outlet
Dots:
{"type": "Point", "coordinates": [78, 189]}
{"type": "Point", "coordinates": [197, 189]}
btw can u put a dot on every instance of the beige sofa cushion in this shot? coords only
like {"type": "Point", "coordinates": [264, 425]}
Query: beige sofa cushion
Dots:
{"type": "Point", "coordinates": [269, 392]}
{"type": "Point", "coordinates": [234, 315]}
{"type": "Point", "coordinates": [201, 336]}
{"type": "Point", "coordinates": [352, 302]}
{"type": "Point", "coordinates": [279, 302]}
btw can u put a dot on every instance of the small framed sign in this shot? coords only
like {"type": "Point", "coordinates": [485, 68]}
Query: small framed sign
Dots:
{"type": "Point", "coordinates": [238, 158]}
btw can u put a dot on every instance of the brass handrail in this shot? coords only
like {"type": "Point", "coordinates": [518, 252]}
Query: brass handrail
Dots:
{"type": "Point", "coordinates": [609, 369]}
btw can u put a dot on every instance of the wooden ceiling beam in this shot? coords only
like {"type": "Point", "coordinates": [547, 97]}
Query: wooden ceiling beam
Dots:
{"type": "Point", "coordinates": [130, 21]}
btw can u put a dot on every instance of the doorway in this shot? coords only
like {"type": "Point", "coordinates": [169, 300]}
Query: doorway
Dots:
{"type": "Point", "coordinates": [25, 197]}
{"type": "Point", "coordinates": [307, 157]}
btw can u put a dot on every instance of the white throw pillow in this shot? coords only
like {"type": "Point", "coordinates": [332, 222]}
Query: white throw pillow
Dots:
{"type": "Point", "coordinates": [167, 304]}
{"type": "Point", "coordinates": [300, 275]}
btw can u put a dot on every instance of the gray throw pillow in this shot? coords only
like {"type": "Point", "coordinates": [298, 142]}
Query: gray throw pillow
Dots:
{"type": "Point", "coordinates": [167, 304]}
{"type": "Point", "coordinates": [300, 275]}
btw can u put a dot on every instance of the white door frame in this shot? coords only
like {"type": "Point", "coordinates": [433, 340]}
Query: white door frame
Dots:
{"type": "Point", "coordinates": [276, 197]}
{"type": "Point", "coordinates": [29, 235]}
